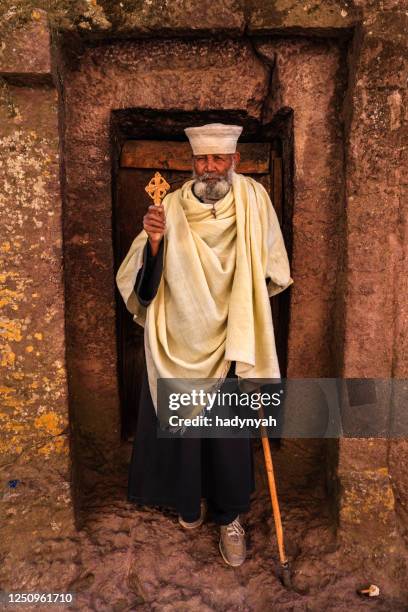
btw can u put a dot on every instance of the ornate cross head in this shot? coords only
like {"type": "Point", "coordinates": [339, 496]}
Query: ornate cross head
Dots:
{"type": "Point", "coordinates": [157, 188]}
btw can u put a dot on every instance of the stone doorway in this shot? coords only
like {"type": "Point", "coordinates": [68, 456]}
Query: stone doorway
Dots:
{"type": "Point", "coordinates": [119, 91]}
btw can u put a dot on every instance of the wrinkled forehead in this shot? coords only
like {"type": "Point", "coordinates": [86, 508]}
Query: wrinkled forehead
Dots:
{"type": "Point", "coordinates": [225, 156]}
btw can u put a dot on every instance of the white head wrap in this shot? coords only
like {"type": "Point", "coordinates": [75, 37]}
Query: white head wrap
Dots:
{"type": "Point", "coordinates": [213, 138]}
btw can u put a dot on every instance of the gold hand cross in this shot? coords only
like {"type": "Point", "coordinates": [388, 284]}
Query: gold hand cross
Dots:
{"type": "Point", "coordinates": [157, 188]}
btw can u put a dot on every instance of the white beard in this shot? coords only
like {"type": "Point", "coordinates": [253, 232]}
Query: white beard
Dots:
{"type": "Point", "coordinates": [212, 191]}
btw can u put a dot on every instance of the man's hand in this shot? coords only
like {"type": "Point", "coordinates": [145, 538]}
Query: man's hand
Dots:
{"type": "Point", "coordinates": [154, 223]}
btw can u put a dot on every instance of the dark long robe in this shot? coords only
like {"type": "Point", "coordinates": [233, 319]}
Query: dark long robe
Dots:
{"type": "Point", "coordinates": [177, 472]}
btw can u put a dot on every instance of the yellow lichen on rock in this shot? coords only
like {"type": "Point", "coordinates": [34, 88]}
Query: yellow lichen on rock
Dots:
{"type": "Point", "coordinates": [36, 14]}
{"type": "Point", "coordinates": [11, 445]}
{"type": "Point", "coordinates": [8, 358]}
{"type": "Point", "coordinates": [11, 330]}
{"type": "Point", "coordinates": [5, 247]}
{"type": "Point", "coordinates": [6, 390]}
{"type": "Point", "coordinates": [57, 445]}
{"type": "Point", "coordinates": [369, 495]}
{"type": "Point", "coordinates": [50, 422]}
{"type": "Point", "coordinates": [7, 297]}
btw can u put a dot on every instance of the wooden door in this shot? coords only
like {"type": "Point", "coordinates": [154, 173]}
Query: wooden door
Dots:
{"type": "Point", "coordinates": [138, 161]}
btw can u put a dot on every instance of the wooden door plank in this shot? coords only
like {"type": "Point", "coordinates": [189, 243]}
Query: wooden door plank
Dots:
{"type": "Point", "coordinates": [173, 155]}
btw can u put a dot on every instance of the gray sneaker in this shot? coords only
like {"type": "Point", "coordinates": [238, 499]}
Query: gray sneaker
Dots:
{"type": "Point", "coordinates": [232, 543]}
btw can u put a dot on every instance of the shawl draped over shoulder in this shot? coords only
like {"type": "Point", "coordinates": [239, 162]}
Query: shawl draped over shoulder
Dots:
{"type": "Point", "coordinates": [212, 305]}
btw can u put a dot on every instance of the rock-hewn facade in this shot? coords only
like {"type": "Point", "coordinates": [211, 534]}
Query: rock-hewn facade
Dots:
{"type": "Point", "coordinates": [73, 79]}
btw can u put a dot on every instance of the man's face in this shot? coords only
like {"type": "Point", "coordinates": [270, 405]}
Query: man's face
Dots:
{"type": "Point", "coordinates": [213, 174]}
{"type": "Point", "coordinates": [214, 166]}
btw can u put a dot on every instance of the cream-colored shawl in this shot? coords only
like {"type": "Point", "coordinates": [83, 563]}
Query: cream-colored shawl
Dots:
{"type": "Point", "coordinates": [212, 305]}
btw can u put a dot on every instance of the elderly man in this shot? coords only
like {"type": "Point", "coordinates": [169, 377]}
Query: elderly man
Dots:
{"type": "Point", "coordinates": [198, 278]}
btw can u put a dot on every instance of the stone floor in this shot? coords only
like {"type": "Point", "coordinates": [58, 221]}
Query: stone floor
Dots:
{"type": "Point", "coordinates": [140, 559]}
{"type": "Point", "coordinates": [128, 558]}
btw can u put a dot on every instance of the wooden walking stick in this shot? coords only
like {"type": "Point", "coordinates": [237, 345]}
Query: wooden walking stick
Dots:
{"type": "Point", "coordinates": [275, 506]}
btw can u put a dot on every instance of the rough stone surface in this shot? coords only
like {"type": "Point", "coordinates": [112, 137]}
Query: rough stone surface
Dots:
{"type": "Point", "coordinates": [308, 78]}
{"type": "Point", "coordinates": [316, 17]}
{"type": "Point", "coordinates": [367, 501]}
{"type": "Point", "coordinates": [34, 444]}
{"type": "Point", "coordinates": [366, 498]}
{"type": "Point", "coordinates": [128, 558]}
{"type": "Point", "coordinates": [375, 219]}
{"type": "Point", "coordinates": [375, 303]}
{"type": "Point", "coordinates": [98, 19]}
{"type": "Point", "coordinates": [27, 50]}
{"type": "Point", "coordinates": [143, 18]}
{"type": "Point", "coordinates": [177, 16]}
